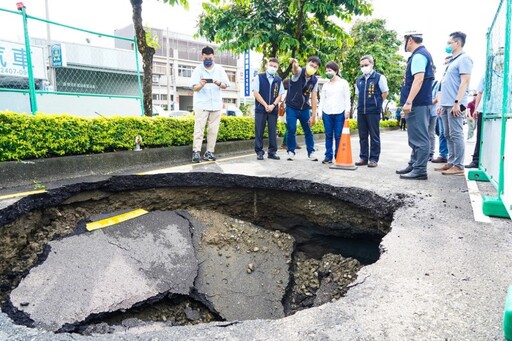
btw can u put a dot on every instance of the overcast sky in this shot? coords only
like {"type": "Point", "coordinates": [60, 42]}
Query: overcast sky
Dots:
{"type": "Point", "coordinates": [436, 18]}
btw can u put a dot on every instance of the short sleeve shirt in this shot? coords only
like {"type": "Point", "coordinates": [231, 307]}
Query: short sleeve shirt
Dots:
{"type": "Point", "coordinates": [383, 84]}
{"type": "Point", "coordinates": [418, 63]}
{"type": "Point", "coordinates": [256, 83]}
{"type": "Point", "coordinates": [295, 78]}
{"type": "Point", "coordinates": [461, 65]}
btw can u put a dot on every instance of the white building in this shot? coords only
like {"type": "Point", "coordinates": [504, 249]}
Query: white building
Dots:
{"type": "Point", "coordinates": [174, 62]}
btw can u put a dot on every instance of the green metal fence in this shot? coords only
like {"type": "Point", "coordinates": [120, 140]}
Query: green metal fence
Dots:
{"type": "Point", "coordinates": [496, 139]}
{"type": "Point", "coordinates": [40, 74]}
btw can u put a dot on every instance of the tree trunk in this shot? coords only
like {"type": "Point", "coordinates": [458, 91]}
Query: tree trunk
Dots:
{"type": "Point", "coordinates": [147, 57]}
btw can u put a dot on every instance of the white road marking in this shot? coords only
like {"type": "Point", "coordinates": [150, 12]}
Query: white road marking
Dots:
{"type": "Point", "coordinates": [476, 201]}
{"type": "Point", "coordinates": [203, 163]}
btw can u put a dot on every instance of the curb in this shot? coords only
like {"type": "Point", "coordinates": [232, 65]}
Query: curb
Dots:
{"type": "Point", "coordinates": [21, 173]}
{"type": "Point", "coordinates": [28, 172]}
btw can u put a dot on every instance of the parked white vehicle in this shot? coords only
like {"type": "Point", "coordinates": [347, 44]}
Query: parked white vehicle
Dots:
{"type": "Point", "coordinates": [232, 110]}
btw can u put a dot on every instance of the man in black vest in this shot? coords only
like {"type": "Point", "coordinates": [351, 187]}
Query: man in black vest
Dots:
{"type": "Point", "coordinates": [372, 90]}
{"type": "Point", "coordinates": [416, 99]}
{"type": "Point", "coordinates": [267, 89]}
{"type": "Point", "coordinates": [302, 89]}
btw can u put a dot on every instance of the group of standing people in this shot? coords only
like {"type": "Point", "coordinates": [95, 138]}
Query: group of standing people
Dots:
{"type": "Point", "coordinates": [417, 102]}
{"type": "Point", "coordinates": [420, 94]}
{"type": "Point", "coordinates": [301, 105]}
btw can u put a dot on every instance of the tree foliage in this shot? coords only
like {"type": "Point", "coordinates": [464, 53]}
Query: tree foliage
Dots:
{"type": "Point", "coordinates": [146, 47]}
{"type": "Point", "coordinates": [372, 37]}
{"type": "Point", "coordinates": [281, 28]}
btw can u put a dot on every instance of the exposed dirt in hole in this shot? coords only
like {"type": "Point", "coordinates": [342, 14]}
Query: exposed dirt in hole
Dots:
{"type": "Point", "coordinates": [176, 310]}
{"type": "Point", "coordinates": [315, 280]}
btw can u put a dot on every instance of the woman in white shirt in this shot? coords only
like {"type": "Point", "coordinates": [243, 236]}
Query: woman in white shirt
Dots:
{"type": "Point", "coordinates": [335, 102]}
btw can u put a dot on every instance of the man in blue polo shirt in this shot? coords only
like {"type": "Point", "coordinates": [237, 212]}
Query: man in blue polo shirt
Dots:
{"type": "Point", "coordinates": [453, 102]}
{"type": "Point", "coordinates": [416, 102]}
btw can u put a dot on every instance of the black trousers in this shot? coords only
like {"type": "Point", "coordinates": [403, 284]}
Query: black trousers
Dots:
{"type": "Point", "coordinates": [368, 126]}
{"type": "Point", "coordinates": [476, 152]}
{"type": "Point", "coordinates": [260, 122]}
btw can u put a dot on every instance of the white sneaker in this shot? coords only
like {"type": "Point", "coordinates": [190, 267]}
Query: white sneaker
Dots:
{"type": "Point", "coordinates": [312, 156]}
{"type": "Point", "coordinates": [291, 156]}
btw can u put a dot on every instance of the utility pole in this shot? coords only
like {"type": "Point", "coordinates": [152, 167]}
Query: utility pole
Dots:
{"type": "Point", "coordinates": [51, 71]}
{"type": "Point", "coordinates": [168, 71]}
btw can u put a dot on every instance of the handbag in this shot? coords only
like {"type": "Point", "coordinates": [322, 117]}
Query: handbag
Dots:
{"type": "Point", "coordinates": [281, 110]}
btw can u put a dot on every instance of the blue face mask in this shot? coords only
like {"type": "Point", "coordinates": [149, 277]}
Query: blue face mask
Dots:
{"type": "Point", "coordinates": [207, 62]}
{"type": "Point", "coordinates": [448, 49]}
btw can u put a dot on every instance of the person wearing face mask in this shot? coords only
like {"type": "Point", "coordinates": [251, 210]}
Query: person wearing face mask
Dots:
{"type": "Point", "coordinates": [267, 89]}
{"type": "Point", "coordinates": [416, 101]}
{"type": "Point", "coordinates": [207, 81]}
{"type": "Point", "coordinates": [453, 102]}
{"type": "Point", "coordinates": [301, 104]}
{"type": "Point", "coordinates": [335, 104]}
{"type": "Point", "coordinates": [371, 89]}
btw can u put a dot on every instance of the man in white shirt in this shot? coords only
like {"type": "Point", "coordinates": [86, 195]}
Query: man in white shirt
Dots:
{"type": "Point", "coordinates": [207, 81]}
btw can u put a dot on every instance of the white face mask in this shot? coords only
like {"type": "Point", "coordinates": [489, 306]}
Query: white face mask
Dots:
{"type": "Point", "coordinates": [366, 70]}
{"type": "Point", "coordinates": [271, 70]}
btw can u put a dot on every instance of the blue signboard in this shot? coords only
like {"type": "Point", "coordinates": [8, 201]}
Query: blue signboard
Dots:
{"type": "Point", "coordinates": [56, 55]}
{"type": "Point", "coordinates": [247, 76]}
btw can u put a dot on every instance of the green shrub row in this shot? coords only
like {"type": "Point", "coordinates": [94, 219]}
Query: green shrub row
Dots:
{"type": "Point", "coordinates": [40, 136]}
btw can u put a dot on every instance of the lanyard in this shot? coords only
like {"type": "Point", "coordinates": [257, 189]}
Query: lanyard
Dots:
{"type": "Point", "coordinates": [452, 60]}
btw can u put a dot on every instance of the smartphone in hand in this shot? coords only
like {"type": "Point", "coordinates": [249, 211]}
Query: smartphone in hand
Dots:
{"type": "Point", "coordinates": [462, 110]}
{"type": "Point", "coordinates": [208, 80]}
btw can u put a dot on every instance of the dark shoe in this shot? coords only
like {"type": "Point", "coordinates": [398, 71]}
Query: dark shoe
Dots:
{"type": "Point", "coordinates": [298, 147]}
{"type": "Point", "coordinates": [430, 158]}
{"type": "Point", "coordinates": [406, 170]}
{"type": "Point", "coordinates": [440, 160]}
{"type": "Point", "coordinates": [326, 161]}
{"type": "Point", "coordinates": [259, 157]}
{"type": "Point", "coordinates": [196, 157]}
{"type": "Point", "coordinates": [414, 176]}
{"type": "Point", "coordinates": [274, 157]}
{"type": "Point", "coordinates": [372, 164]}
{"type": "Point", "coordinates": [209, 156]}
{"type": "Point", "coordinates": [473, 164]}
{"type": "Point", "coordinates": [284, 146]}
{"type": "Point", "coordinates": [361, 163]}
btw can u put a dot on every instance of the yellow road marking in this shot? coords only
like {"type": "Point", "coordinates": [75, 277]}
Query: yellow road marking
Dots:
{"type": "Point", "coordinates": [115, 220]}
{"type": "Point", "coordinates": [163, 170]}
{"type": "Point", "coordinates": [21, 194]}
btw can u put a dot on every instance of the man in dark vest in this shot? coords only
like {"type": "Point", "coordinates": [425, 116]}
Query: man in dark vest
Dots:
{"type": "Point", "coordinates": [372, 90]}
{"type": "Point", "coordinates": [416, 99]}
{"type": "Point", "coordinates": [301, 104]}
{"type": "Point", "coordinates": [267, 89]}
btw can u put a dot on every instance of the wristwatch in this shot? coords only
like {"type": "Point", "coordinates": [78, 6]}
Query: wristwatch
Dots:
{"type": "Point", "coordinates": [456, 101]}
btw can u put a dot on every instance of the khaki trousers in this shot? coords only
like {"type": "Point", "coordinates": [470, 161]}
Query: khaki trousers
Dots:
{"type": "Point", "coordinates": [213, 119]}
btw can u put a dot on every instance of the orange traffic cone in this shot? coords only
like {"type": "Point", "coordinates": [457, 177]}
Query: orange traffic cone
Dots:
{"type": "Point", "coordinates": [344, 156]}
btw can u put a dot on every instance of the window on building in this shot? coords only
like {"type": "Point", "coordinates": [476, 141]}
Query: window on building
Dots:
{"type": "Point", "coordinates": [185, 71]}
{"type": "Point", "coordinates": [159, 68]}
{"type": "Point", "coordinates": [231, 76]}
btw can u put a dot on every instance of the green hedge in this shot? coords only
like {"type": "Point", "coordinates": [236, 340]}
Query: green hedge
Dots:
{"type": "Point", "coordinates": [25, 136]}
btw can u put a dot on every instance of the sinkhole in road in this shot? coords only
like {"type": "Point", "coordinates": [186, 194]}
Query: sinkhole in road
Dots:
{"type": "Point", "coordinates": [258, 248]}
